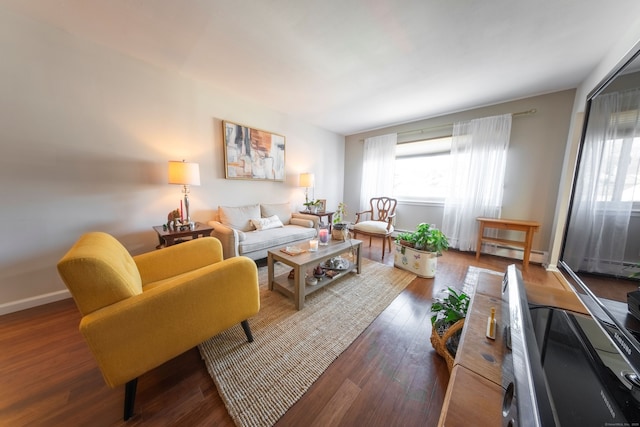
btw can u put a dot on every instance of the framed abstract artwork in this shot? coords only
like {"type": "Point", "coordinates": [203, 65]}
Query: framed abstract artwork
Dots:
{"type": "Point", "coordinates": [252, 153]}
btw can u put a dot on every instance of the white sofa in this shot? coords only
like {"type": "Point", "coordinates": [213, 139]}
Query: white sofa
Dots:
{"type": "Point", "coordinates": [254, 229]}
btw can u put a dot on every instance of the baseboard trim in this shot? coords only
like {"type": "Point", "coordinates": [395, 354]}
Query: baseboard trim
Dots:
{"type": "Point", "coordinates": [537, 257]}
{"type": "Point", "coordinates": [23, 304]}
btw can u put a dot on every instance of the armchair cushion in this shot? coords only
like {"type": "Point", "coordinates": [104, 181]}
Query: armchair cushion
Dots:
{"type": "Point", "coordinates": [114, 274]}
{"type": "Point", "coordinates": [375, 227]}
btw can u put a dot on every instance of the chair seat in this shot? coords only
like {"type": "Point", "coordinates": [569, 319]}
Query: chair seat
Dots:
{"type": "Point", "coordinates": [373, 227]}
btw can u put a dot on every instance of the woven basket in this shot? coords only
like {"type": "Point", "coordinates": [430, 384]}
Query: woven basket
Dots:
{"type": "Point", "coordinates": [439, 343]}
{"type": "Point", "coordinates": [340, 235]}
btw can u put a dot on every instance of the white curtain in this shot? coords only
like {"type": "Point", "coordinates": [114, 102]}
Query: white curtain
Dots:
{"type": "Point", "coordinates": [479, 157]}
{"type": "Point", "coordinates": [604, 190]}
{"type": "Point", "coordinates": [378, 168]}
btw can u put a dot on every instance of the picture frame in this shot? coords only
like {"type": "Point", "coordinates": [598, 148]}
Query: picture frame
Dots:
{"type": "Point", "coordinates": [322, 205]}
{"type": "Point", "coordinates": [253, 154]}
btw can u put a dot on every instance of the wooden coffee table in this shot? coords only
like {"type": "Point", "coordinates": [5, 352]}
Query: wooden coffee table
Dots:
{"type": "Point", "coordinates": [297, 287]}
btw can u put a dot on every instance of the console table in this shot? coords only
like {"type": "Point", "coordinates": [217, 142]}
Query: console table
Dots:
{"type": "Point", "coordinates": [528, 227]}
{"type": "Point", "coordinates": [475, 386]}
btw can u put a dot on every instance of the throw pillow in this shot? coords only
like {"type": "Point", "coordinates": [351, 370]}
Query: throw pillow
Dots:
{"type": "Point", "coordinates": [267, 223]}
{"type": "Point", "coordinates": [283, 210]}
{"type": "Point", "coordinates": [239, 217]}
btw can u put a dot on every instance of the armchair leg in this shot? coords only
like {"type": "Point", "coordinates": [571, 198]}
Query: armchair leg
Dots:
{"type": "Point", "coordinates": [384, 241]}
{"type": "Point", "coordinates": [129, 398]}
{"type": "Point", "coordinates": [247, 330]}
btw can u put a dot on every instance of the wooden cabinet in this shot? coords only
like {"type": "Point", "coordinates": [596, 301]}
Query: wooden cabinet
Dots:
{"type": "Point", "coordinates": [475, 391]}
{"type": "Point", "coordinates": [471, 400]}
{"type": "Point", "coordinates": [474, 394]}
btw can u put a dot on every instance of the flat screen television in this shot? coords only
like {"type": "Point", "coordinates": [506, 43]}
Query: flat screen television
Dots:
{"type": "Point", "coordinates": [612, 254]}
{"type": "Point", "coordinates": [566, 368]}
{"type": "Point", "coordinates": [562, 368]}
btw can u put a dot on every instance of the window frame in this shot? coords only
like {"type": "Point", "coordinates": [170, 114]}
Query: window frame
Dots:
{"type": "Point", "coordinates": [441, 145]}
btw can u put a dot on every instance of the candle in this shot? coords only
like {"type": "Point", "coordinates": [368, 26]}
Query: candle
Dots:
{"type": "Point", "coordinates": [323, 234]}
{"type": "Point", "coordinates": [313, 245]}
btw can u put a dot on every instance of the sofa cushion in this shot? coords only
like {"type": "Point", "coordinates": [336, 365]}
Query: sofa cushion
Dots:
{"type": "Point", "coordinates": [267, 223]}
{"type": "Point", "coordinates": [283, 210]}
{"type": "Point", "coordinates": [239, 217]}
{"type": "Point", "coordinates": [267, 239]}
{"type": "Point", "coordinates": [302, 222]}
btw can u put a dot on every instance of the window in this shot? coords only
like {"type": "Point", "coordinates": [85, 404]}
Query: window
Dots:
{"type": "Point", "coordinates": [621, 179]}
{"type": "Point", "coordinates": [422, 170]}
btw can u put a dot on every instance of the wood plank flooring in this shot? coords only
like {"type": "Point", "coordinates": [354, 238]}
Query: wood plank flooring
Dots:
{"type": "Point", "coordinates": [389, 376]}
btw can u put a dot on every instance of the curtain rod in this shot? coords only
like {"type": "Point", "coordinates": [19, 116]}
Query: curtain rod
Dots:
{"type": "Point", "coordinates": [445, 125]}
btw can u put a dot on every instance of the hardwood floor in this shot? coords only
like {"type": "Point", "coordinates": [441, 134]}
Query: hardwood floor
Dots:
{"type": "Point", "coordinates": [389, 376]}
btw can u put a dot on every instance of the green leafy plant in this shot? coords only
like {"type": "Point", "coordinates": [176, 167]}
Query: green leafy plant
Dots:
{"type": "Point", "coordinates": [340, 214]}
{"type": "Point", "coordinates": [446, 311]}
{"type": "Point", "coordinates": [449, 308]}
{"type": "Point", "coordinates": [311, 203]}
{"type": "Point", "coordinates": [425, 238]}
{"type": "Point", "coordinates": [406, 237]}
{"type": "Point", "coordinates": [637, 273]}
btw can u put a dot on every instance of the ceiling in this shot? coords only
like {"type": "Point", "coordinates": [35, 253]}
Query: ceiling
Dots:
{"type": "Point", "coordinates": [355, 65]}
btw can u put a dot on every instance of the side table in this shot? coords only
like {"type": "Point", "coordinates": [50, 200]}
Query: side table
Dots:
{"type": "Point", "coordinates": [329, 216]}
{"type": "Point", "coordinates": [170, 237]}
{"type": "Point", "coordinates": [528, 227]}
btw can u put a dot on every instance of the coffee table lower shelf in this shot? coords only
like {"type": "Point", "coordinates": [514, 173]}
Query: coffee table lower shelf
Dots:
{"type": "Point", "coordinates": [287, 286]}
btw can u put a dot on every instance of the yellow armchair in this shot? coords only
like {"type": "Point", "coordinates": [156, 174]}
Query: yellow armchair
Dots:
{"type": "Point", "coordinates": [138, 312]}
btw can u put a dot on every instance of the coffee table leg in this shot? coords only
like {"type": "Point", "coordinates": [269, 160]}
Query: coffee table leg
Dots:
{"type": "Point", "coordinates": [299, 291]}
{"type": "Point", "coordinates": [270, 271]}
{"type": "Point", "coordinates": [358, 258]}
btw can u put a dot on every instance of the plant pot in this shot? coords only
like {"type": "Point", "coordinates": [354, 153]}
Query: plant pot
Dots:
{"type": "Point", "coordinates": [339, 232]}
{"type": "Point", "coordinates": [439, 342]}
{"type": "Point", "coordinates": [421, 263]}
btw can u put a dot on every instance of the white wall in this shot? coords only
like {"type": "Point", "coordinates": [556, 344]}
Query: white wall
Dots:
{"type": "Point", "coordinates": [85, 136]}
{"type": "Point", "coordinates": [536, 151]}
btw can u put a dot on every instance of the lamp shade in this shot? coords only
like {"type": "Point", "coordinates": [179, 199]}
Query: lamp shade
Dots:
{"type": "Point", "coordinates": [184, 173]}
{"type": "Point", "coordinates": [307, 180]}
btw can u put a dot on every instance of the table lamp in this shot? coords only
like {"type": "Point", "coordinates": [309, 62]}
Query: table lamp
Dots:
{"type": "Point", "coordinates": [306, 180]}
{"type": "Point", "coordinates": [185, 174]}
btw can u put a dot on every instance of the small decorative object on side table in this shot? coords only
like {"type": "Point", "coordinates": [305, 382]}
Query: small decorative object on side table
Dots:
{"type": "Point", "coordinates": [168, 236]}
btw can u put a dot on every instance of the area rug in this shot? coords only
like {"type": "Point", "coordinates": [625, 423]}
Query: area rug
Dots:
{"type": "Point", "coordinates": [471, 279]}
{"type": "Point", "coordinates": [260, 381]}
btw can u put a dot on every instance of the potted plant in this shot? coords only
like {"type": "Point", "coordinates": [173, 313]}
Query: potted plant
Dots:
{"type": "Point", "coordinates": [340, 228]}
{"type": "Point", "coordinates": [417, 251]}
{"type": "Point", "coordinates": [312, 205]}
{"type": "Point", "coordinates": [448, 313]}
